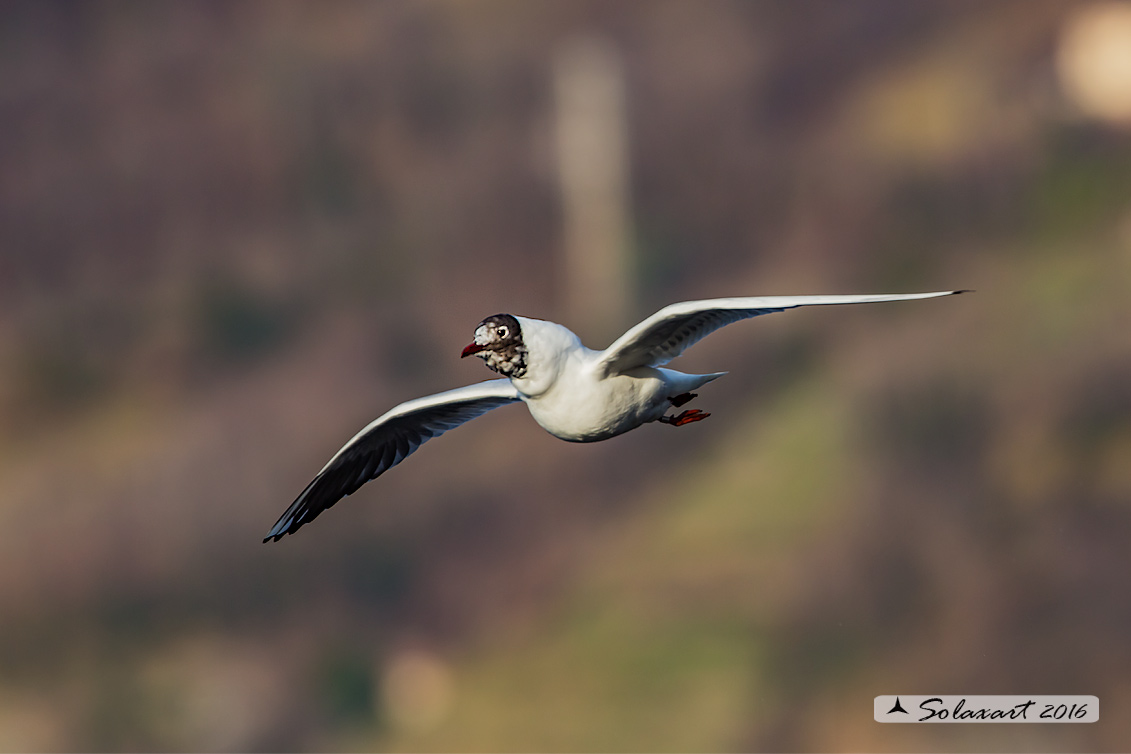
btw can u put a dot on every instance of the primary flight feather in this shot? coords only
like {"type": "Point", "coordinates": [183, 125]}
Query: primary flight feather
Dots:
{"type": "Point", "coordinates": [573, 392]}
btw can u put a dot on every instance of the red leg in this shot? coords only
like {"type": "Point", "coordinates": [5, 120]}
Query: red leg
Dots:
{"type": "Point", "coordinates": [691, 415]}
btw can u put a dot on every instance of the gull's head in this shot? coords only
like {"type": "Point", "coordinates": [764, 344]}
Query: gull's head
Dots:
{"type": "Point", "coordinates": [498, 341]}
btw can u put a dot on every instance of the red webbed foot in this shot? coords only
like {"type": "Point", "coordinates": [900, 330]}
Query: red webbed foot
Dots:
{"type": "Point", "coordinates": [691, 415]}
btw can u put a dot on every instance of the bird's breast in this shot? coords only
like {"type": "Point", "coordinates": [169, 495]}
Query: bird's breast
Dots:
{"type": "Point", "coordinates": [587, 409]}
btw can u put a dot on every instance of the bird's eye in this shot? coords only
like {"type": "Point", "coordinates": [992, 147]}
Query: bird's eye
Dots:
{"type": "Point", "coordinates": [502, 331]}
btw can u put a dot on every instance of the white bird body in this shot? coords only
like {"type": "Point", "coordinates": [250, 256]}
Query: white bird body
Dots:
{"type": "Point", "coordinates": [573, 392]}
{"type": "Point", "coordinates": [569, 398]}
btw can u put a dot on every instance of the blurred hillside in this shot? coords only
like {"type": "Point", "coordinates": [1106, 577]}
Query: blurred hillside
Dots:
{"type": "Point", "coordinates": [232, 234]}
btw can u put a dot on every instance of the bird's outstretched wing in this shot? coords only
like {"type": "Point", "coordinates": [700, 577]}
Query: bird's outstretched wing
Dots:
{"type": "Point", "coordinates": [670, 331]}
{"type": "Point", "coordinates": [388, 441]}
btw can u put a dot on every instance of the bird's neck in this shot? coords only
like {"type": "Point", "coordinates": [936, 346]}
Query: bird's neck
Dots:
{"type": "Point", "coordinates": [551, 349]}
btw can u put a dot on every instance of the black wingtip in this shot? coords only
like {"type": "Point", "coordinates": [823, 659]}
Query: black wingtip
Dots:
{"type": "Point", "coordinates": [964, 290]}
{"type": "Point", "coordinates": [275, 534]}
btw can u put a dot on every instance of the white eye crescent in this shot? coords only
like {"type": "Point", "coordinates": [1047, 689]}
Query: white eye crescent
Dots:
{"type": "Point", "coordinates": [502, 331]}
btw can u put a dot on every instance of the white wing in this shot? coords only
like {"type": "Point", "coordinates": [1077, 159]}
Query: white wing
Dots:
{"type": "Point", "coordinates": [388, 441]}
{"type": "Point", "coordinates": [670, 331]}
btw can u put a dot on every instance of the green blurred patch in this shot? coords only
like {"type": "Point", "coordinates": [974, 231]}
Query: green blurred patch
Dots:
{"type": "Point", "coordinates": [1084, 182]}
{"type": "Point", "coordinates": [770, 482]}
{"type": "Point", "coordinates": [120, 716]}
{"type": "Point", "coordinates": [236, 323]}
{"type": "Point", "coordinates": [607, 684]}
{"type": "Point", "coordinates": [73, 354]}
{"type": "Point", "coordinates": [379, 574]}
{"type": "Point", "coordinates": [59, 373]}
{"type": "Point", "coordinates": [346, 686]}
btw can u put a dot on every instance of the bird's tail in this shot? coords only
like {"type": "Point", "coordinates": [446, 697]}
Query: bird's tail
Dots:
{"type": "Point", "coordinates": [684, 383]}
{"type": "Point", "coordinates": [703, 379]}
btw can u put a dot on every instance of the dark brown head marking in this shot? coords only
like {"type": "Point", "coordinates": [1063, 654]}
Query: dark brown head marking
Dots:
{"type": "Point", "coordinates": [498, 341]}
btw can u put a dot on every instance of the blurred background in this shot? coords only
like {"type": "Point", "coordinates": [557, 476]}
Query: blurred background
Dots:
{"type": "Point", "coordinates": [231, 234]}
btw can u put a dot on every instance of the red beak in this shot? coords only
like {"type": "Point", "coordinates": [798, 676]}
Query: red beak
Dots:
{"type": "Point", "coordinates": [472, 348]}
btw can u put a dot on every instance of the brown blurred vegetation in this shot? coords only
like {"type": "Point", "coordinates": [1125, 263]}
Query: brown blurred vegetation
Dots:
{"type": "Point", "coordinates": [233, 233]}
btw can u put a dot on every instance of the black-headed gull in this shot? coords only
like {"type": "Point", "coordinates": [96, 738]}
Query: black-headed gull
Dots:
{"type": "Point", "coordinates": [573, 392]}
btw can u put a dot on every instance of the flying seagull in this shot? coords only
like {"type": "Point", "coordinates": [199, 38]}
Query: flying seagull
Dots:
{"type": "Point", "coordinates": [573, 392]}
